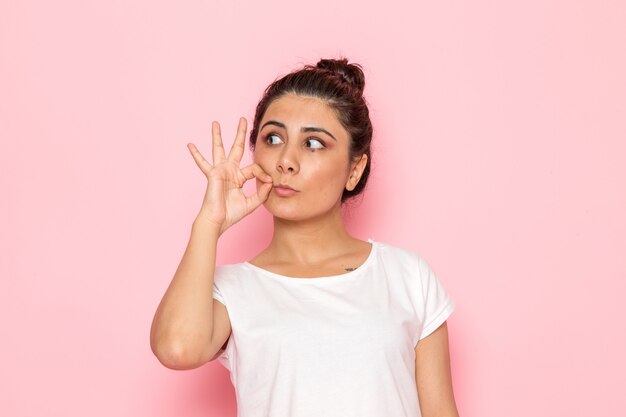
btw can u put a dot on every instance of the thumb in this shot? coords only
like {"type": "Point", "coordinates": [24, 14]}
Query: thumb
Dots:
{"type": "Point", "coordinates": [256, 199]}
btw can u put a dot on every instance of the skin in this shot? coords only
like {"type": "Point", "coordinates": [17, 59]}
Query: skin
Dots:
{"type": "Point", "coordinates": [433, 375]}
{"type": "Point", "coordinates": [309, 238]}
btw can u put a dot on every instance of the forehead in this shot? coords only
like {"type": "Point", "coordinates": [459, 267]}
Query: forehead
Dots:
{"type": "Point", "coordinates": [296, 110]}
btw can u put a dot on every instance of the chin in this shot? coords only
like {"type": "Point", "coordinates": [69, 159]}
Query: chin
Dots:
{"type": "Point", "coordinates": [284, 210]}
{"type": "Point", "coordinates": [295, 211]}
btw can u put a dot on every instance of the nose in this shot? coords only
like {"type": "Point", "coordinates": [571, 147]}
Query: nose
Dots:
{"type": "Point", "coordinates": [287, 161]}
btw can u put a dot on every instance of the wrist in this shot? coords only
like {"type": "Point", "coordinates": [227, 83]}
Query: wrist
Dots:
{"type": "Point", "coordinates": [204, 222]}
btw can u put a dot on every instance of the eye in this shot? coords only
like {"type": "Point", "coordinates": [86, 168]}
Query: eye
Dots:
{"type": "Point", "coordinates": [319, 142]}
{"type": "Point", "coordinates": [269, 137]}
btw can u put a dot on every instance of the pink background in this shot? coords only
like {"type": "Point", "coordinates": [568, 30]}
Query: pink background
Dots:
{"type": "Point", "coordinates": [499, 156]}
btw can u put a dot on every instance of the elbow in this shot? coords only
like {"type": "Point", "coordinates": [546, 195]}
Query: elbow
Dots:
{"type": "Point", "coordinates": [176, 357]}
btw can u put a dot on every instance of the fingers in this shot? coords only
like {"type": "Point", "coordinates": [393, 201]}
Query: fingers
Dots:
{"type": "Point", "coordinates": [263, 191]}
{"type": "Point", "coordinates": [255, 170]}
{"type": "Point", "coordinates": [218, 146]}
{"type": "Point", "coordinates": [236, 152]}
{"type": "Point", "coordinates": [202, 163]}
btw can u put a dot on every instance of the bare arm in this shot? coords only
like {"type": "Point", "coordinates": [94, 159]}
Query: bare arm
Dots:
{"type": "Point", "coordinates": [181, 331]}
{"type": "Point", "coordinates": [433, 375]}
{"type": "Point", "coordinates": [182, 335]}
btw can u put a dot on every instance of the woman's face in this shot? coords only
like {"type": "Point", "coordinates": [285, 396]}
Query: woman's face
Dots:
{"type": "Point", "coordinates": [302, 144]}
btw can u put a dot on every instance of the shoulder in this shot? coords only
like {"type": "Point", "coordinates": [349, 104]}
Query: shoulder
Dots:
{"type": "Point", "coordinates": [228, 271]}
{"type": "Point", "coordinates": [401, 256]}
{"type": "Point", "coordinates": [406, 262]}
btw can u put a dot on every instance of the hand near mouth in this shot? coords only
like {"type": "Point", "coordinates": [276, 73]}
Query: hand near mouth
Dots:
{"type": "Point", "coordinates": [224, 202]}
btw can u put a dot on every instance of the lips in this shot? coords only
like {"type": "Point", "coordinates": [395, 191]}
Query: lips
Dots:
{"type": "Point", "coordinates": [284, 190]}
{"type": "Point", "coordinates": [284, 186]}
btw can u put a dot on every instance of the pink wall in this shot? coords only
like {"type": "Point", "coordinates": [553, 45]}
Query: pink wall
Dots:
{"type": "Point", "coordinates": [499, 156]}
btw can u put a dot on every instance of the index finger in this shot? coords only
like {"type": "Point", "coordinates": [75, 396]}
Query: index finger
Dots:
{"type": "Point", "coordinates": [255, 170]}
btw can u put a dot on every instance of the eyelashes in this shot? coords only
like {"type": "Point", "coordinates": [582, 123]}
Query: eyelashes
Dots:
{"type": "Point", "coordinates": [268, 140]}
{"type": "Point", "coordinates": [269, 137]}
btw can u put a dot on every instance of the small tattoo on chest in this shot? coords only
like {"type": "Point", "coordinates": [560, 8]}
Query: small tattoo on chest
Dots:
{"type": "Point", "coordinates": [350, 269]}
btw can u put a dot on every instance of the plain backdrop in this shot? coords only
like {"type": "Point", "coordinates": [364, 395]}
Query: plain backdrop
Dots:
{"type": "Point", "coordinates": [499, 156]}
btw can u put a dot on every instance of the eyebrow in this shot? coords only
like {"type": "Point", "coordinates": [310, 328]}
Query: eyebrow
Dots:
{"type": "Point", "coordinates": [304, 129]}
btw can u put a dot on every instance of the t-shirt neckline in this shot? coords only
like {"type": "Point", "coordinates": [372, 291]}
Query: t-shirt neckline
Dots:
{"type": "Point", "coordinates": [329, 278]}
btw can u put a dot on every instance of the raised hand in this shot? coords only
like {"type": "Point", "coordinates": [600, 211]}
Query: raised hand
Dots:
{"type": "Point", "coordinates": [224, 202]}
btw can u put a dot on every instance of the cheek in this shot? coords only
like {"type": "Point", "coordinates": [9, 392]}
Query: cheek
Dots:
{"type": "Point", "coordinates": [262, 156]}
{"type": "Point", "coordinates": [259, 158]}
{"type": "Point", "coordinates": [330, 181]}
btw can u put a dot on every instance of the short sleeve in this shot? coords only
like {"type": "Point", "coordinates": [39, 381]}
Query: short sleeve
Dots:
{"type": "Point", "coordinates": [437, 303]}
{"type": "Point", "coordinates": [217, 294]}
{"type": "Point", "coordinates": [218, 283]}
{"type": "Point", "coordinates": [222, 355]}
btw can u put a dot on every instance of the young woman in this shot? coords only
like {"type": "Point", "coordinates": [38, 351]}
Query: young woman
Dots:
{"type": "Point", "coordinates": [320, 323]}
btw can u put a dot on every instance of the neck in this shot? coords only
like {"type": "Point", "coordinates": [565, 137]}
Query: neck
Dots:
{"type": "Point", "coordinates": [309, 241]}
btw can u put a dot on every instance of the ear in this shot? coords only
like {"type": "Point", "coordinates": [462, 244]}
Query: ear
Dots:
{"type": "Point", "coordinates": [356, 170]}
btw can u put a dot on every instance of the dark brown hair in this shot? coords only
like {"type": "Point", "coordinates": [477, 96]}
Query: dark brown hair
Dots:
{"type": "Point", "coordinates": [341, 85]}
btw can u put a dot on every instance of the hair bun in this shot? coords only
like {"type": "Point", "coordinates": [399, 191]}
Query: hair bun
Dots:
{"type": "Point", "coordinates": [351, 73]}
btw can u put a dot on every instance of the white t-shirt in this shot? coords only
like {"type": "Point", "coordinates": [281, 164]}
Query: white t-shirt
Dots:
{"type": "Point", "coordinates": [335, 346]}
